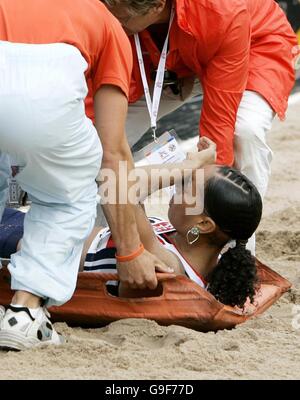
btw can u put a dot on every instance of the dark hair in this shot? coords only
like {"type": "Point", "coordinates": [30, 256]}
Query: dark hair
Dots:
{"type": "Point", "coordinates": [135, 7]}
{"type": "Point", "coordinates": [235, 205]}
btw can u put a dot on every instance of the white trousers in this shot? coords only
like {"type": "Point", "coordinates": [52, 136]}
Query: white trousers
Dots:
{"type": "Point", "coordinates": [44, 127]}
{"type": "Point", "coordinates": [254, 120]}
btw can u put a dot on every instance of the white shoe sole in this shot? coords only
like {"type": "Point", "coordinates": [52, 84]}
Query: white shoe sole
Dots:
{"type": "Point", "coordinates": [17, 341]}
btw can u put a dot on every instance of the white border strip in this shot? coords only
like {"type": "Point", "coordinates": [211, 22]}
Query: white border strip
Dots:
{"type": "Point", "coordinates": [294, 98]}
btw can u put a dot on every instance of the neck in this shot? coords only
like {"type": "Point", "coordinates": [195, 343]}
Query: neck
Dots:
{"type": "Point", "coordinates": [165, 15]}
{"type": "Point", "coordinates": [202, 255]}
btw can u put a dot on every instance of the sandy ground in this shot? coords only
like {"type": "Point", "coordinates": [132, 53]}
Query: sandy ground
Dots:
{"type": "Point", "coordinates": [267, 347]}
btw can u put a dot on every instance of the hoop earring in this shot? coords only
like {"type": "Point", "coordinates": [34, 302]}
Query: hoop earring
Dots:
{"type": "Point", "coordinates": [194, 232]}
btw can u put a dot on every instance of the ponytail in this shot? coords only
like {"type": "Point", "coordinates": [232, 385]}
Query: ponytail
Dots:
{"type": "Point", "coordinates": [234, 279]}
{"type": "Point", "coordinates": [233, 202]}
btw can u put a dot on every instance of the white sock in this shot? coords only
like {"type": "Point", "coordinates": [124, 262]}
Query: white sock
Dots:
{"type": "Point", "coordinates": [33, 311]}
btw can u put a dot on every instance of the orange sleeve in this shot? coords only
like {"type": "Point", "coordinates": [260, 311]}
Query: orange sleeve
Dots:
{"type": "Point", "coordinates": [114, 63]}
{"type": "Point", "coordinates": [223, 83]}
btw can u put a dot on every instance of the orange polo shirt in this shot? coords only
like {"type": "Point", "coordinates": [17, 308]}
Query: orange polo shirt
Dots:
{"type": "Point", "coordinates": [232, 46]}
{"type": "Point", "coordinates": [85, 24]}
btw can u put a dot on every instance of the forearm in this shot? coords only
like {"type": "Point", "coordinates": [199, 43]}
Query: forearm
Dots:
{"type": "Point", "coordinates": [119, 211]}
{"type": "Point", "coordinates": [147, 235]}
{"type": "Point", "coordinates": [156, 177]}
{"type": "Point", "coordinates": [110, 110]}
{"type": "Point", "coordinates": [151, 242]}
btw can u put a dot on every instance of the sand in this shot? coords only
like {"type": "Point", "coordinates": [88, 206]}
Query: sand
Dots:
{"type": "Point", "coordinates": [267, 347]}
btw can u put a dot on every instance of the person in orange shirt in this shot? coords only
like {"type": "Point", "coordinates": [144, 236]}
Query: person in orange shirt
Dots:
{"type": "Point", "coordinates": [238, 53]}
{"type": "Point", "coordinates": [49, 50]}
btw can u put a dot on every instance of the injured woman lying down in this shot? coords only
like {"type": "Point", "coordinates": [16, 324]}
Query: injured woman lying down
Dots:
{"type": "Point", "coordinates": [193, 245]}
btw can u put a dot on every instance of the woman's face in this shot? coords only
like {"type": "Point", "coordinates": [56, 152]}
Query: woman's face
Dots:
{"type": "Point", "coordinates": [191, 200]}
{"type": "Point", "coordinates": [136, 23]}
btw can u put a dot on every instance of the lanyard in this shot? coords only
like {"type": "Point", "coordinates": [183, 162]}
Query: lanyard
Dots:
{"type": "Point", "coordinates": [153, 106]}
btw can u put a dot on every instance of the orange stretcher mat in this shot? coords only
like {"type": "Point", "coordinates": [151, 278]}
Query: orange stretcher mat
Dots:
{"type": "Point", "coordinates": [182, 302]}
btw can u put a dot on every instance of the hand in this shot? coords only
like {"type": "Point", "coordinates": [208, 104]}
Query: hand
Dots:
{"type": "Point", "coordinates": [206, 153]}
{"type": "Point", "coordinates": [140, 272]}
{"type": "Point", "coordinates": [205, 143]}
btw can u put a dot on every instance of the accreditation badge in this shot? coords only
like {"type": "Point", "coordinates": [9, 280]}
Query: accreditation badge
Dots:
{"type": "Point", "coordinates": [164, 150]}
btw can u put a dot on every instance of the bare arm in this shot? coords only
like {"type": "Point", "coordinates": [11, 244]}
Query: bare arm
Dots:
{"type": "Point", "coordinates": [159, 176]}
{"type": "Point", "coordinates": [110, 110]}
{"type": "Point", "coordinates": [152, 244]}
{"type": "Point", "coordinates": [194, 161]}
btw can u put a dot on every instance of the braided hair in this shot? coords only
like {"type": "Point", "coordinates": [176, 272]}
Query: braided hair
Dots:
{"type": "Point", "coordinates": [235, 205]}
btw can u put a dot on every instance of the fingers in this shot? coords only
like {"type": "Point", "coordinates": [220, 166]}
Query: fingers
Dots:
{"type": "Point", "coordinates": [199, 146]}
{"type": "Point", "coordinates": [207, 148]}
{"type": "Point", "coordinates": [163, 268]}
{"type": "Point", "coordinates": [165, 277]}
{"type": "Point", "coordinates": [202, 144]}
{"type": "Point", "coordinates": [140, 282]}
{"type": "Point", "coordinates": [205, 143]}
{"type": "Point", "coordinates": [152, 284]}
{"type": "Point", "coordinates": [141, 273]}
{"type": "Point", "coordinates": [130, 284]}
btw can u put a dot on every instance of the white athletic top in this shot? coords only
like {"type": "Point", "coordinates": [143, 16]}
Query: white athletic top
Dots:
{"type": "Point", "coordinates": [101, 254]}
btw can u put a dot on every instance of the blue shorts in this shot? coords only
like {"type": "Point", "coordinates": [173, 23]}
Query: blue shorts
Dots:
{"type": "Point", "coordinates": [11, 231]}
